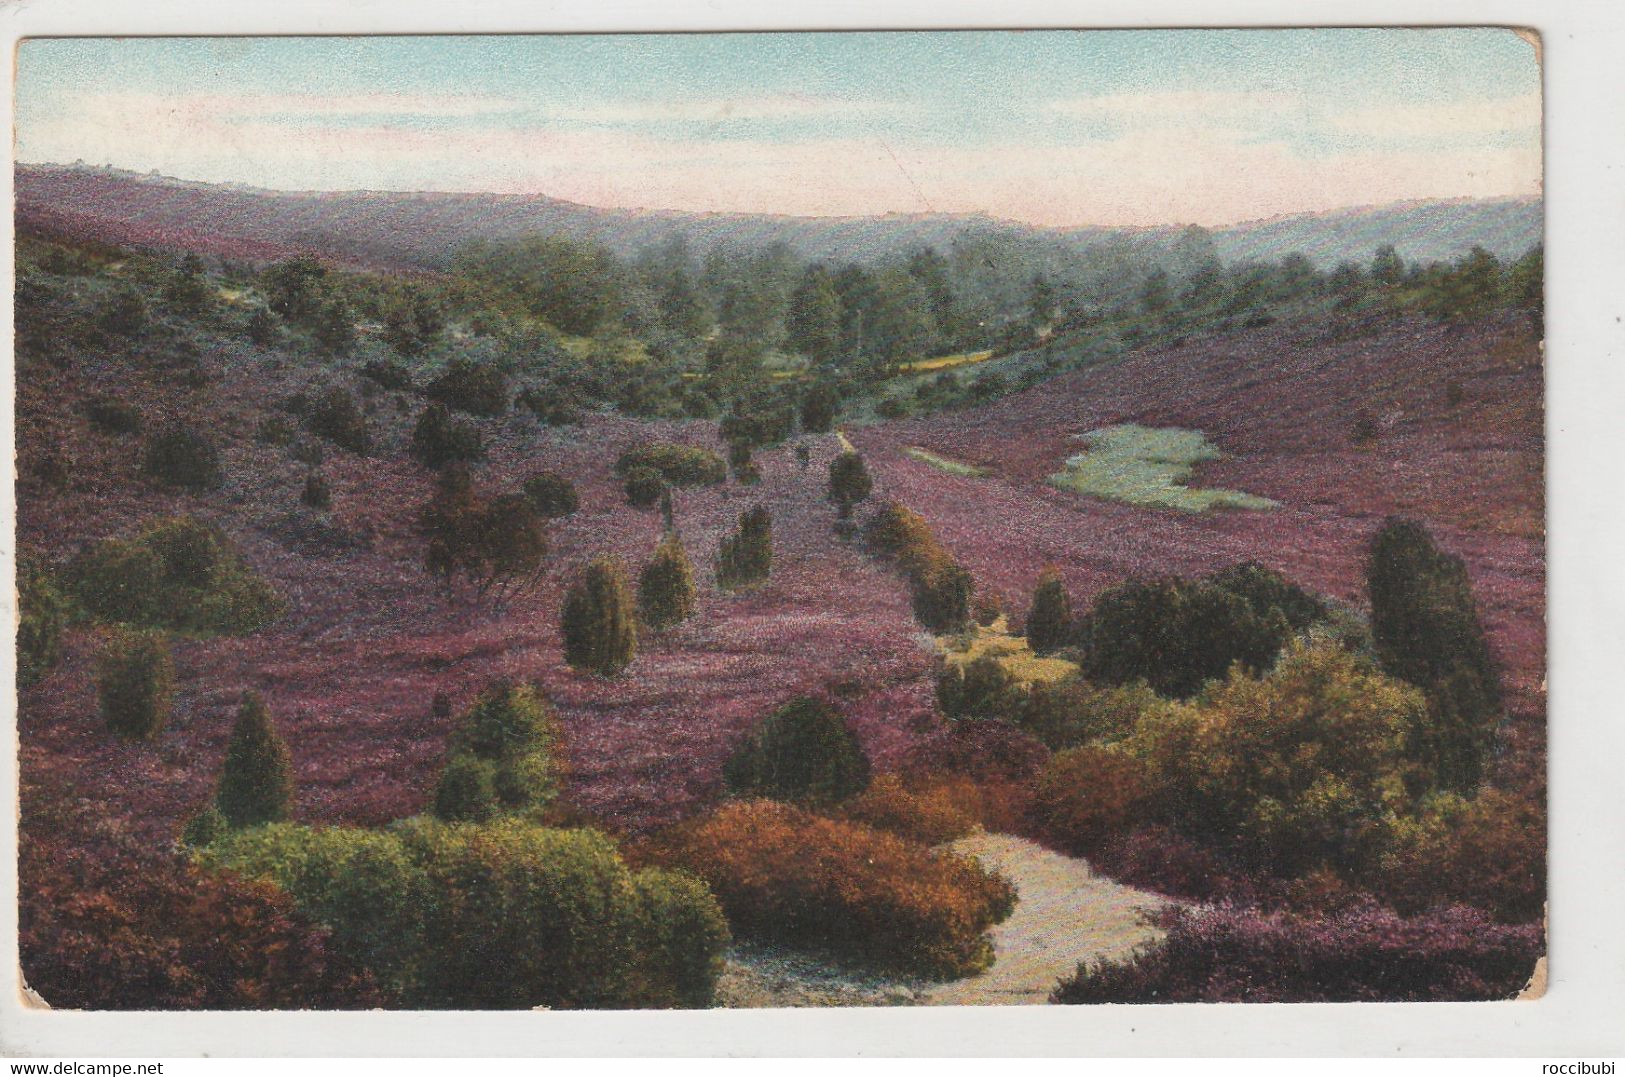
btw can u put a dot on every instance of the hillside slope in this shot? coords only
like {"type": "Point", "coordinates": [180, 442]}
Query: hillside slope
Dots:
{"type": "Point", "coordinates": [1456, 418]}
{"type": "Point", "coordinates": [422, 228]}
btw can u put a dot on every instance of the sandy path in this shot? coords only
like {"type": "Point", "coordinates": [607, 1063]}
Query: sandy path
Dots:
{"type": "Point", "coordinates": [1066, 914]}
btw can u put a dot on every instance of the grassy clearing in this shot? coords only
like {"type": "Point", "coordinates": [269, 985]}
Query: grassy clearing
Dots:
{"type": "Point", "coordinates": [947, 362]}
{"type": "Point", "coordinates": [1012, 652]}
{"type": "Point", "coordinates": [1149, 466]}
{"type": "Point", "coordinates": [953, 467]}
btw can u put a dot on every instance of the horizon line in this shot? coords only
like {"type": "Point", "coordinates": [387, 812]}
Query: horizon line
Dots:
{"type": "Point", "coordinates": [153, 174]}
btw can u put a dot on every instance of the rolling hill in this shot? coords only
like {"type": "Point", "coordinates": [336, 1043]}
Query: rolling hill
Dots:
{"type": "Point", "coordinates": [422, 228]}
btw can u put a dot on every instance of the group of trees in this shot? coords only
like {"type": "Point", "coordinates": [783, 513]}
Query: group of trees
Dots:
{"type": "Point", "coordinates": [503, 758]}
{"type": "Point", "coordinates": [1469, 286]}
{"type": "Point", "coordinates": [941, 587]}
{"type": "Point", "coordinates": [498, 543]}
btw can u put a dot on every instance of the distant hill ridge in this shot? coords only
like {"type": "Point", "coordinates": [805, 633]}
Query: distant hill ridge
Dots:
{"type": "Point", "coordinates": [421, 228]}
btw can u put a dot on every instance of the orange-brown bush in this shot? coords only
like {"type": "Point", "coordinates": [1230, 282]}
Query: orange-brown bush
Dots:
{"type": "Point", "coordinates": [1087, 795]}
{"type": "Point", "coordinates": [790, 876]}
{"type": "Point", "coordinates": [929, 813]}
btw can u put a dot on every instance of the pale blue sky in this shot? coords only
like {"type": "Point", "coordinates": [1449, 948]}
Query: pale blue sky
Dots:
{"type": "Point", "coordinates": [1115, 127]}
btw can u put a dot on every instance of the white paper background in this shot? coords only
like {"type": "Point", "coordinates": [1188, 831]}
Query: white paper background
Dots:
{"type": "Point", "coordinates": [1583, 1013]}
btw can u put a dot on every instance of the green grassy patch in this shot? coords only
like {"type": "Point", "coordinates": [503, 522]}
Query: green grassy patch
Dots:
{"type": "Point", "coordinates": [1149, 466]}
{"type": "Point", "coordinates": [953, 467]}
{"type": "Point", "coordinates": [947, 362]}
{"type": "Point", "coordinates": [1012, 652]}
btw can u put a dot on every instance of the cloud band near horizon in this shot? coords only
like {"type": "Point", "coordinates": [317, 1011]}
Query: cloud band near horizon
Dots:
{"type": "Point", "coordinates": [1052, 128]}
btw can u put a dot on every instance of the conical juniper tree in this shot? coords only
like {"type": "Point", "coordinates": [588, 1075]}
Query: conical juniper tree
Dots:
{"type": "Point", "coordinates": [666, 585]}
{"type": "Point", "coordinates": [1049, 622]}
{"type": "Point", "coordinates": [1425, 624]}
{"type": "Point", "coordinates": [746, 556]}
{"type": "Point", "coordinates": [256, 782]}
{"type": "Point", "coordinates": [599, 621]}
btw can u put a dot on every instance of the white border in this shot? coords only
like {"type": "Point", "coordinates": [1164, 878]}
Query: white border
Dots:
{"type": "Point", "coordinates": [1584, 42]}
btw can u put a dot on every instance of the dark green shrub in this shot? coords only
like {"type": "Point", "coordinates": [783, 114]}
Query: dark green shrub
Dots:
{"type": "Point", "coordinates": [205, 827]}
{"type": "Point", "coordinates": [551, 494]}
{"type": "Point", "coordinates": [187, 290]}
{"type": "Point", "coordinates": [135, 684]}
{"type": "Point", "coordinates": [274, 431]}
{"type": "Point", "coordinates": [1176, 635]}
{"type": "Point", "coordinates": [550, 406]}
{"type": "Point", "coordinates": [293, 288]}
{"type": "Point", "coordinates": [504, 757]}
{"type": "Point", "coordinates": [942, 590]}
{"type": "Point", "coordinates": [316, 493]}
{"type": "Point", "coordinates": [804, 752]}
{"type": "Point", "coordinates": [42, 615]}
{"type": "Point", "coordinates": [334, 328]}
{"type": "Point", "coordinates": [308, 453]}
{"type": "Point", "coordinates": [1049, 621]}
{"type": "Point", "coordinates": [388, 373]}
{"type": "Point", "coordinates": [124, 313]}
{"type": "Point", "coordinates": [413, 324]}
{"type": "Point", "coordinates": [179, 573]}
{"type": "Point", "coordinates": [110, 415]}
{"type": "Point", "coordinates": [1425, 624]}
{"type": "Point", "coordinates": [335, 416]}
{"type": "Point", "coordinates": [120, 581]}
{"type": "Point", "coordinates": [192, 551]}
{"type": "Point", "coordinates": [472, 387]}
{"type": "Point", "coordinates": [1072, 711]}
{"type": "Point", "coordinates": [182, 458]}
{"type": "Point", "coordinates": [504, 915]}
{"type": "Point", "coordinates": [261, 327]}
{"type": "Point", "coordinates": [767, 419]}
{"type": "Point", "coordinates": [746, 555]}
{"type": "Point", "coordinates": [681, 936]}
{"type": "Point", "coordinates": [981, 688]}
{"type": "Point", "coordinates": [680, 465]}
{"type": "Point", "coordinates": [1265, 589]}
{"type": "Point", "coordinates": [819, 407]}
{"type": "Point", "coordinates": [498, 544]}
{"type": "Point", "coordinates": [644, 485]}
{"type": "Point", "coordinates": [849, 481]}
{"type": "Point", "coordinates": [256, 780]}
{"type": "Point", "coordinates": [439, 439]}
{"type": "Point", "coordinates": [467, 791]}
{"type": "Point", "coordinates": [942, 597]}
{"type": "Point", "coordinates": [666, 585]}
{"type": "Point", "coordinates": [599, 622]}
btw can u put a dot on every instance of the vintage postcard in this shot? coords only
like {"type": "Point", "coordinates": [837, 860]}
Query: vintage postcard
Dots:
{"type": "Point", "coordinates": [636, 521]}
